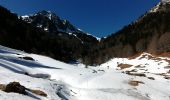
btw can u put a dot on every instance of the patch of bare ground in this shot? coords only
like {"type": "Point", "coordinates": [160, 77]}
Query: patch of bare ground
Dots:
{"type": "Point", "coordinates": [2, 87]}
{"type": "Point", "coordinates": [165, 75]}
{"type": "Point", "coordinates": [146, 56]}
{"type": "Point", "coordinates": [138, 66]}
{"type": "Point", "coordinates": [152, 56]}
{"type": "Point", "coordinates": [123, 66]}
{"type": "Point", "coordinates": [135, 74]}
{"type": "Point", "coordinates": [16, 87]}
{"type": "Point", "coordinates": [166, 54]}
{"type": "Point", "coordinates": [39, 92]}
{"type": "Point", "coordinates": [135, 83]}
{"type": "Point", "coordinates": [151, 78]}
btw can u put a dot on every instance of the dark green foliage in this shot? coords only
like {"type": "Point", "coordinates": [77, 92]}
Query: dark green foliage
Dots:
{"type": "Point", "coordinates": [151, 33]}
{"type": "Point", "coordinates": [17, 34]}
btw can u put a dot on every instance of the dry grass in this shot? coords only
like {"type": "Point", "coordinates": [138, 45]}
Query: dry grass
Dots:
{"type": "Point", "coordinates": [2, 87]}
{"type": "Point", "coordinates": [123, 66]}
{"type": "Point", "coordinates": [135, 83]}
{"type": "Point", "coordinates": [39, 92]}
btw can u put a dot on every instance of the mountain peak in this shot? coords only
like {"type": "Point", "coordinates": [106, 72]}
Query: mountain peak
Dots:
{"type": "Point", "coordinates": [164, 5]}
{"type": "Point", "coordinates": [50, 15]}
{"type": "Point", "coordinates": [165, 1]}
{"type": "Point", "coordinates": [50, 22]}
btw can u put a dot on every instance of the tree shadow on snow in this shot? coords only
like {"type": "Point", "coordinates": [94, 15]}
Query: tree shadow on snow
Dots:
{"type": "Point", "coordinates": [30, 64]}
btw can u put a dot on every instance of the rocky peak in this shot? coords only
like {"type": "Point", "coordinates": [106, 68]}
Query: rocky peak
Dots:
{"type": "Point", "coordinates": [163, 5]}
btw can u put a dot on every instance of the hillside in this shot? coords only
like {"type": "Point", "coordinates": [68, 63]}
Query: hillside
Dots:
{"type": "Point", "coordinates": [18, 34]}
{"type": "Point", "coordinates": [150, 33]}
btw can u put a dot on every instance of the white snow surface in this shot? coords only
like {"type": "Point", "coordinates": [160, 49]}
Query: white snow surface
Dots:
{"type": "Point", "coordinates": [63, 81]}
{"type": "Point", "coordinates": [165, 1]}
{"type": "Point", "coordinates": [158, 7]}
{"type": "Point", "coordinates": [155, 8]}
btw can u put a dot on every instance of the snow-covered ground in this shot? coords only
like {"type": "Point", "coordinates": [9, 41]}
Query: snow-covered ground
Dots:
{"type": "Point", "coordinates": [109, 81]}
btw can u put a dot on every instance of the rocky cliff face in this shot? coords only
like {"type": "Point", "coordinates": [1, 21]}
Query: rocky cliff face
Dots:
{"type": "Point", "coordinates": [53, 24]}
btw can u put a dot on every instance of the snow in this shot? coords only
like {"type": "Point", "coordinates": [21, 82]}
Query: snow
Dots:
{"type": "Point", "coordinates": [46, 29]}
{"type": "Point", "coordinates": [26, 18]}
{"type": "Point", "coordinates": [78, 82]}
{"type": "Point", "coordinates": [156, 8]}
{"type": "Point", "coordinates": [165, 1]}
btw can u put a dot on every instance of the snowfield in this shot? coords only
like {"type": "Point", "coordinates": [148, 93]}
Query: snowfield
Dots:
{"type": "Point", "coordinates": [145, 77]}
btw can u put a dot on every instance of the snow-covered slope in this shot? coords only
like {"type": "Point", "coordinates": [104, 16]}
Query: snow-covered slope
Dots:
{"type": "Point", "coordinates": [144, 77]}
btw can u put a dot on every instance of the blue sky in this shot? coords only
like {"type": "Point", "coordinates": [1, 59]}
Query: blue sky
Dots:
{"type": "Point", "coordinates": [97, 17]}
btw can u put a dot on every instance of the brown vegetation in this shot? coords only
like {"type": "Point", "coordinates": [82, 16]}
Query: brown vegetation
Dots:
{"type": "Point", "coordinates": [17, 88]}
{"type": "Point", "coordinates": [2, 87]}
{"type": "Point", "coordinates": [135, 83]}
{"type": "Point", "coordinates": [39, 92]}
{"type": "Point", "coordinates": [123, 66]}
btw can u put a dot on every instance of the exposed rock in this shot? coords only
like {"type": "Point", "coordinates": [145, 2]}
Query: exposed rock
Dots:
{"type": "Point", "coordinates": [136, 74]}
{"type": "Point", "coordinates": [27, 58]}
{"type": "Point", "coordinates": [151, 78]}
{"type": "Point", "coordinates": [16, 88]}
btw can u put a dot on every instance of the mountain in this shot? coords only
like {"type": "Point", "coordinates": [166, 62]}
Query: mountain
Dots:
{"type": "Point", "coordinates": [150, 33]}
{"type": "Point", "coordinates": [161, 6]}
{"type": "Point", "coordinates": [50, 22]}
{"type": "Point", "coordinates": [18, 34]}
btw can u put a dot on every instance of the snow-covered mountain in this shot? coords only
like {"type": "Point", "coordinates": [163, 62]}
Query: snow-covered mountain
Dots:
{"type": "Point", "coordinates": [163, 5]}
{"type": "Point", "coordinates": [165, 1]}
{"type": "Point", "coordinates": [50, 22]}
{"type": "Point", "coordinates": [60, 45]}
{"type": "Point", "coordinates": [142, 77]}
